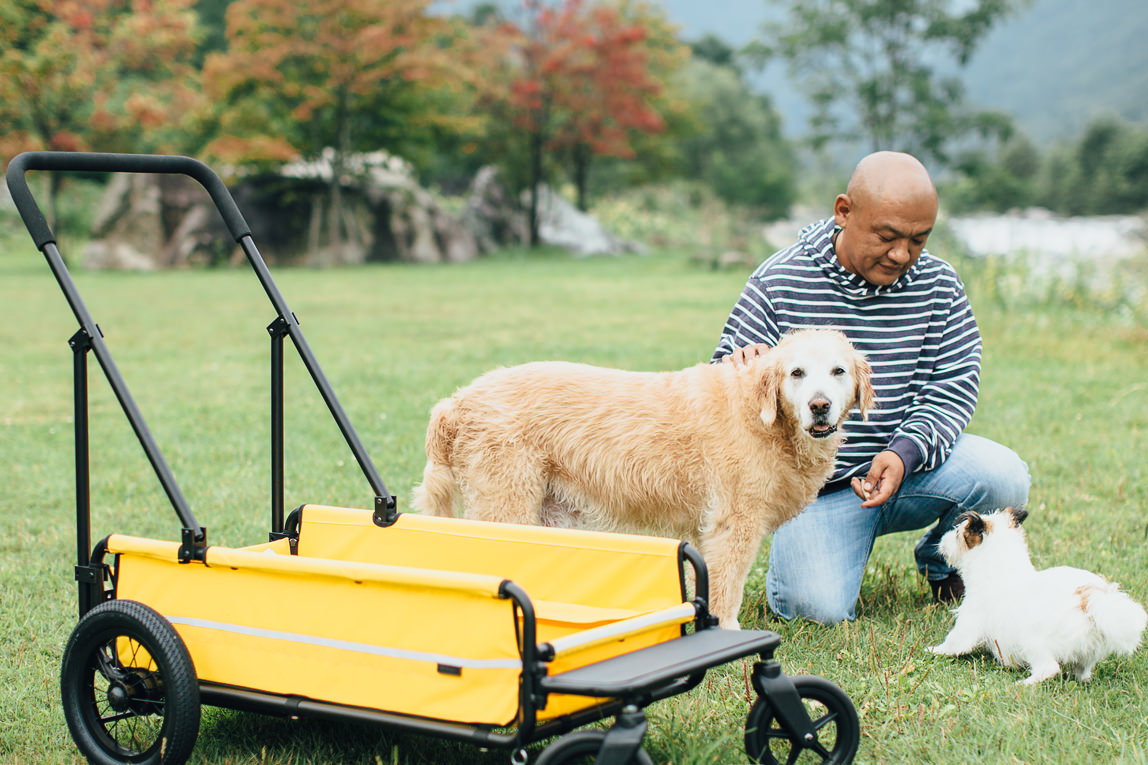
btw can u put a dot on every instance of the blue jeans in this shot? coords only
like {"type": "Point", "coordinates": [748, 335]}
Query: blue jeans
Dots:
{"type": "Point", "coordinates": [817, 559]}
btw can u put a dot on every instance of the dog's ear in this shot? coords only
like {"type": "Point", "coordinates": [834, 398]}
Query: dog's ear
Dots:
{"type": "Point", "coordinates": [1018, 515]}
{"type": "Point", "coordinates": [769, 390]}
{"type": "Point", "coordinates": [974, 520]}
{"type": "Point", "coordinates": [974, 528]}
{"type": "Point", "coordinates": [863, 386]}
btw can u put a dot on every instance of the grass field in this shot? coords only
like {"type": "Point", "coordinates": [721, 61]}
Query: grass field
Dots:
{"type": "Point", "coordinates": [1063, 384]}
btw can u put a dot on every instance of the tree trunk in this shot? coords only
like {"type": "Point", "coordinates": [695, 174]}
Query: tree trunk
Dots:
{"type": "Point", "coordinates": [582, 157]}
{"type": "Point", "coordinates": [536, 141]}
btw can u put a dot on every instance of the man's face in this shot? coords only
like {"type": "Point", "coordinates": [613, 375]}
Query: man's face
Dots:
{"type": "Point", "coordinates": [881, 239]}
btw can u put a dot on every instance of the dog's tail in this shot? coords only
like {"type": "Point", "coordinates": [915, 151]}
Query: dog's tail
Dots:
{"type": "Point", "coordinates": [1118, 617]}
{"type": "Point", "coordinates": [438, 493]}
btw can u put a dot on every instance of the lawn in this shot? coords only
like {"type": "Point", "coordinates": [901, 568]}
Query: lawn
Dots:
{"type": "Point", "coordinates": [1063, 384]}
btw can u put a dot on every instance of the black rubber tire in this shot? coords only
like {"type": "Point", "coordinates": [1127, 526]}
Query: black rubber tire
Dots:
{"type": "Point", "coordinates": [135, 703]}
{"type": "Point", "coordinates": [582, 746]}
{"type": "Point", "coordinates": [834, 719]}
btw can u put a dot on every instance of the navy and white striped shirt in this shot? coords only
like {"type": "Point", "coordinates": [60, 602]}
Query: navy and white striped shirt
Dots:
{"type": "Point", "coordinates": [918, 334]}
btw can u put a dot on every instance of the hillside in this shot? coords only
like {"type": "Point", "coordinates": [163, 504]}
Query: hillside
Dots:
{"type": "Point", "coordinates": [1054, 66]}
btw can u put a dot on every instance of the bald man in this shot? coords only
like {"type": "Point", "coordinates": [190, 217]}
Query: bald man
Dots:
{"type": "Point", "coordinates": [866, 272]}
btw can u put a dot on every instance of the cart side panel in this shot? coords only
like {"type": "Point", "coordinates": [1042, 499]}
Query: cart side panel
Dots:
{"type": "Point", "coordinates": [577, 580]}
{"type": "Point", "coordinates": [628, 572]}
{"type": "Point", "coordinates": [430, 651]}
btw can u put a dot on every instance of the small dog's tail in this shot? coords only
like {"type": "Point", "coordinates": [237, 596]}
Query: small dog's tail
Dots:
{"type": "Point", "coordinates": [1118, 617]}
{"type": "Point", "coordinates": [438, 493]}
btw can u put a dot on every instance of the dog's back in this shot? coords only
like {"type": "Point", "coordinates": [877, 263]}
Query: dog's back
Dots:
{"type": "Point", "coordinates": [1117, 620]}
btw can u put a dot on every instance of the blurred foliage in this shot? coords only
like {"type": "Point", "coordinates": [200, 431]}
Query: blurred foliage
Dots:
{"type": "Point", "coordinates": [1104, 172]}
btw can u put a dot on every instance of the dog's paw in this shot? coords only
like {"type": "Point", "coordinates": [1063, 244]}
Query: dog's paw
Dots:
{"type": "Point", "coordinates": [942, 650]}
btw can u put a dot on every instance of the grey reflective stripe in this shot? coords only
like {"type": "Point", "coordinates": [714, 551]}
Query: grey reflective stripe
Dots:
{"type": "Point", "coordinates": [347, 645]}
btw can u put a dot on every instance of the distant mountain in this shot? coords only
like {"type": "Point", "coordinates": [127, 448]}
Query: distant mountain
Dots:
{"type": "Point", "coordinates": [1054, 66]}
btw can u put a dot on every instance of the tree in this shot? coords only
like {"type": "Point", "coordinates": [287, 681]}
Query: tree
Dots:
{"type": "Point", "coordinates": [108, 75]}
{"type": "Point", "coordinates": [871, 67]}
{"type": "Point", "coordinates": [576, 83]}
{"type": "Point", "coordinates": [342, 76]}
{"type": "Point", "coordinates": [737, 149]}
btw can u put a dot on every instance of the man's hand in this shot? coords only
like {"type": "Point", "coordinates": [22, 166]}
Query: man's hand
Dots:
{"type": "Point", "coordinates": [884, 478]}
{"type": "Point", "coordinates": [745, 353]}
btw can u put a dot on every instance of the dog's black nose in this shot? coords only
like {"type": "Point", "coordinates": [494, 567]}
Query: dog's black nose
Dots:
{"type": "Point", "coordinates": [819, 406]}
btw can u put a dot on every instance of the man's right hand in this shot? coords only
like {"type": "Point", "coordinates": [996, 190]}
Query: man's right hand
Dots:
{"type": "Point", "coordinates": [745, 353]}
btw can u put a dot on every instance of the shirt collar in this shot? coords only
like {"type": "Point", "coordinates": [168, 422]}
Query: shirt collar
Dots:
{"type": "Point", "coordinates": [817, 239]}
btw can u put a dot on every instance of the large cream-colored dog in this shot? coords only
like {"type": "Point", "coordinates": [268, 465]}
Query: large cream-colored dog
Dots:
{"type": "Point", "coordinates": [716, 454]}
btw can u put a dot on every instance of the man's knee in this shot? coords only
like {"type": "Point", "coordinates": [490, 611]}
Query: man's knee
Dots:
{"type": "Point", "coordinates": [824, 605]}
{"type": "Point", "coordinates": [1003, 480]}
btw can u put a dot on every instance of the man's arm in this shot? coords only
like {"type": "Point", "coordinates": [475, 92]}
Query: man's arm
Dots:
{"type": "Point", "coordinates": [751, 324]}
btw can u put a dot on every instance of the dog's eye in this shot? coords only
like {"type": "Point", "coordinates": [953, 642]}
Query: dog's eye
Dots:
{"type": "Point", "coordinates": [838, 371]}
{"type": "Point", "coordinates": [797, 373]}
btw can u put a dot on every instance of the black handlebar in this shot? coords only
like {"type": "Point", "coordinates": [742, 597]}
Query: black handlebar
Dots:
{"type": "Point", "coordinates": [114, 163]}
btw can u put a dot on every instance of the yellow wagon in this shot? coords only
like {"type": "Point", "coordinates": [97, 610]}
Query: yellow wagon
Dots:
{"type": "Point", "coordinates": [496, 635]}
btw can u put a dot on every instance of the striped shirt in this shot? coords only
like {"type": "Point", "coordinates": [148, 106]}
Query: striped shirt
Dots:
{"type": "Point", "coordinates": [918, 334]}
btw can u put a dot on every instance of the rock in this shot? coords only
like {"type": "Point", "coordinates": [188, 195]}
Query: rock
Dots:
{"type": "Point", "coordinates": [158, 221]}
{"type": "Point", "coordinates": [561, 224]}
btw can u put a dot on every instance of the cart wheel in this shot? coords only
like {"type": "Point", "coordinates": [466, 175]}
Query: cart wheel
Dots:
{"type": "Point", "coordinates": [129, 688]}
{"type": "Point", "coordinates": [583, 746]}
{"type": "Point", "coordinates": [835, 725]}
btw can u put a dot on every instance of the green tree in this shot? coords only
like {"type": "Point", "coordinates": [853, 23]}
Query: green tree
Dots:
{"type": "Point", "coordinates": [1105, 172]}
{"type": "Point", "coordinates": [336, 76]}
{"type": "Point", "coordinates": [737, 149]}
{"type": "Point", "coordinates": [873, 68]}
{"type": "Point", "coordinates": [105, 75]}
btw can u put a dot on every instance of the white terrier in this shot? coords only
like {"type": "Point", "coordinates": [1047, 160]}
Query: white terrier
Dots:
{"type": "Point", "coordinates": [1042, 619]}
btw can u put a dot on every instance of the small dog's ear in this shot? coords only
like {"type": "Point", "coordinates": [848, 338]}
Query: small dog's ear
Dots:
{"type": "Point", "coordinates": [974, 523]}
{"type": "Point", "coordinates": [1018, 515]}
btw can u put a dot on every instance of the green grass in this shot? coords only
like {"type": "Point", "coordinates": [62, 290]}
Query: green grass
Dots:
{"type": "Point", "coordinates": [1063, 385]}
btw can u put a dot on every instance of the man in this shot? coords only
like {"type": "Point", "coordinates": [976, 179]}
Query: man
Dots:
{"type": "Point", "coordinates": [866, 272]}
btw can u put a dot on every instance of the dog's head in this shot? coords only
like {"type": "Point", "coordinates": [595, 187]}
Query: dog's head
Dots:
{"type": "Point", "coordinates": [814, 377]}
{"type": "Point", "coordinates": [972, 531]}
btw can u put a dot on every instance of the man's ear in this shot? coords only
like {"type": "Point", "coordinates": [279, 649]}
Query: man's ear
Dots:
{"type": "Point", "coordinates": [842, 208]}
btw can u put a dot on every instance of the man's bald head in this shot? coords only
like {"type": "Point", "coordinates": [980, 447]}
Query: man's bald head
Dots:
{"type": "Point", "coordinates": [886, 213]}
{"type": "Point", "coordinates": [890, 176]}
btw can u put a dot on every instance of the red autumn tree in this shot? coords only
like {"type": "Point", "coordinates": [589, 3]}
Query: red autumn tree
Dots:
{"type": "Point", "coordinates": [106, 75]}
{"type": "Point", "coordinates": [580, 85]}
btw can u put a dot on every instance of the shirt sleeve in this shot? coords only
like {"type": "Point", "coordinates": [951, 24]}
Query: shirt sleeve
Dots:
{"type": "Point", "coordinates": [751, 321]}
{"type": "Point", "coordinates": [945, 404]}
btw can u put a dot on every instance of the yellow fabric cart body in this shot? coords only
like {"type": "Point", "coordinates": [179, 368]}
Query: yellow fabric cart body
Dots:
{"type": "Point", "coordinates": [412, 618]}
{"type": "Point", "coordinates": [500, 636]}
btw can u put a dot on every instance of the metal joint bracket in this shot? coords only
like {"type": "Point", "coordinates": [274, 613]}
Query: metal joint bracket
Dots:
{"type": "Point", "coordinates": [81, 342]}
{"type": "Point", "coordinates": [91, 574]}
{"type": "Point", "coordinates": [279, 327]}
{"type": "Point", "coordinates": [386, 511]}
{"type": "Point", "coordinates": [194, 546]}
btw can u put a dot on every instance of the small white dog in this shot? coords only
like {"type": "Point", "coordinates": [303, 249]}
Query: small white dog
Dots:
{"type": "Point", "coordinates": [1042, 619]}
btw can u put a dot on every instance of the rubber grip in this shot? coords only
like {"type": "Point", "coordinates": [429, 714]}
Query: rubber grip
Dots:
{"type": "Point", "coordinates": [114, 163]}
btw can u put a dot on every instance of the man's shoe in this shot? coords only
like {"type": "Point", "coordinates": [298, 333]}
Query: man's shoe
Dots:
{"type": "Point", "coordinates": [948, 590]}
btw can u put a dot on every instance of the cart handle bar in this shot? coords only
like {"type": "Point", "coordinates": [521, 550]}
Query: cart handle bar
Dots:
{"type": "Point", "coordinates": [114, 163]}
{"type": "Point", "coordinates": [45, 240]}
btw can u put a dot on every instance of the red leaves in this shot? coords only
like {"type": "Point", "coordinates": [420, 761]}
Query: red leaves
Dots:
{"type": "Point", "coordinates": [583, 78]}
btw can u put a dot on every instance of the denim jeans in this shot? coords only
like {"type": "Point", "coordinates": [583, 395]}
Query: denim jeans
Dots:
{"type": "Point", "coordinates": [817, 559]}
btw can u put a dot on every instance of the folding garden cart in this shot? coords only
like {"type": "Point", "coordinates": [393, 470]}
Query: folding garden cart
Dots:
{"type": "Point", "coordinates": [496, 635]}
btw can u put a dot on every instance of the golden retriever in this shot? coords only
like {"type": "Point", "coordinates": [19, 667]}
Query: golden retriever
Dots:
{"type": "Point", "coordinates": [717, 454]}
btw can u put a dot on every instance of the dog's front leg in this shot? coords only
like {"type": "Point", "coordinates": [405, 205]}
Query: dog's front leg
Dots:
{"type": "Point", "coordinates": [964, 637]}
{"type": "Point", "coordinates": [729, 547]}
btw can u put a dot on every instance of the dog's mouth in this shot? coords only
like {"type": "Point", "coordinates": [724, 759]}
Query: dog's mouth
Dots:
{"type": "Point", "coordinates": [822, 430]}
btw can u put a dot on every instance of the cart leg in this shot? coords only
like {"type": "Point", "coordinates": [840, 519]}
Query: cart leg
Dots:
{"type": "Point", "coordinates": [770, 682]}
{"type": "Point", "coordinates": [624, 738]}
